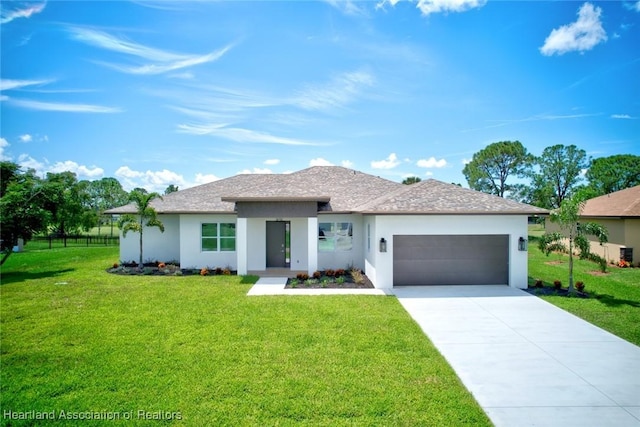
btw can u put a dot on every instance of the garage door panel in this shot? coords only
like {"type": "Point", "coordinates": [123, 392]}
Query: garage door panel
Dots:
{"type": "Point", "coordinates": [451, 260]}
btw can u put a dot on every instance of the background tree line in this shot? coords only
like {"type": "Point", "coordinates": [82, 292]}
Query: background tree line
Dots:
{"type": "Point", "coordinates": [507, 169]}
{"type": "Point", "coordinates": [58, 203]}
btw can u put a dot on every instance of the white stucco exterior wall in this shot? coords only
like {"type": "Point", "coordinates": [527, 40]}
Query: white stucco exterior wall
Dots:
{"type": "Point", "coordinates": [380, 265]}
{"type": "Point", "coordinates": [191, 254]}
{"type": "Point", "coordinates": [156, 246]}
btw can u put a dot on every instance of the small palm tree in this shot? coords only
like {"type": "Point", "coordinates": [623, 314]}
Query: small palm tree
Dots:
{"type": "Point", "coordinates": [567, 217]}
{"type": "Point", "coordinates": [146, 216]}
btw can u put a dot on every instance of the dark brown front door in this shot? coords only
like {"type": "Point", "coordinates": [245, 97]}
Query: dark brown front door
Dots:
{"type": "Point", "coordinates": [277, 244]}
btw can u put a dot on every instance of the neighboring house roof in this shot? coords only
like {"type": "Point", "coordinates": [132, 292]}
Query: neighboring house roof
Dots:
{"type": "Point", "coordinates": [623, 203]}
{"type": "Point", "coordinates": [336, 189]}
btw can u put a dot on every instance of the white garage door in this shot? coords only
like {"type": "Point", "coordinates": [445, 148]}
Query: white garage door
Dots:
{"type": "Point", "coordinates": [451, 260]}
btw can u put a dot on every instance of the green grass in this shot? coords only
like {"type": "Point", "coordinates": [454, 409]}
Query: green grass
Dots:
{"type": "Point", "coordinates": [77, 339]}
{"type": "Point", "coordinates": [614, 303]}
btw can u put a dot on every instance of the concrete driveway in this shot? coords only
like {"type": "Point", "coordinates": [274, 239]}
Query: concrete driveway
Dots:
{"type": "Point", "coordinates": [527, 362]}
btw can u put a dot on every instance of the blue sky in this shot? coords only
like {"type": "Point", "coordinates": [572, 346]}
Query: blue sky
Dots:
{"type": "Point", "coordinates": [177, 92]}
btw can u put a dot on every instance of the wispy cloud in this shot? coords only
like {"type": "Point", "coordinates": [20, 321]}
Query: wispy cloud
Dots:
{"type": "Point", "coordinates": [338, 93]}
{"type": "Point", "coordinates": [25, 138]}
{"type": "Point", "coordinates": [634, 5]}
{"type": "Point", "coordinates": [10, 84]}
{"type": "Point", "coordinates": [241, 135]}
{"type": "Point", "coordinates": [348, 7]}
{"type": "Point", "coordinates": [622, 117]}
{"type": "Point", "coordinates": [388, 163]}
{"type": "Point", "coordinates": [582, 35]}
{"type": "Point", "coordinates": [427, 7]}
{"type": "Point", "coordinates": [272, 162]}
{"type": "Point", "coordinates": [538, 117]}
{"type": "Point", "coordinates": [164, 61]}
{"type": "Point", "coordinates": [63, 107]}
{"type": "Point", "coordinates": [18, 9]}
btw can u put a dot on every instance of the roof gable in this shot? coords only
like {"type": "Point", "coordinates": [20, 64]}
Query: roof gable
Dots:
{"type": "Point", "coordinates": [623, 203]}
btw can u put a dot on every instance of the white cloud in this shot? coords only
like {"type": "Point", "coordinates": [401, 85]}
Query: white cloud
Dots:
{"type": "Point", "coordinates": [432, 162]}
{"type": "Point", "coordinates": [319, 161]}
{"type": "Point", "coordinates": [164, 61]}
{"type": "Point", "coordinates": [19, 10]}
{"type": "Point", "coordinates": [339, 92]}
{"type": "Point", "coordinates": [26, 138]}
{"type": "Point", "coordinates": [27, 162]}
{"type": "Point", "coordinates": [81, 171]}
{"type": "Point", "coordinates": [256, 171]}
{"type": "Point", "coordinates": [205, 178]}
{"type": "Point", "coordinates": [347, 164]}
{"type": "Point", "coordinates": [271, 162]}
{"type": "Point", "coordinates": [428, 7]}
{"type": "Point", "coordinates": [8, 84]}
{"type": "Point", "coordinates": [466, 161]}
{"type": "Point", "coordinates": [621, 116]}
{"type": "Point", "coordinates": [156, 181]}
{"type": "Point", "coordinates": [67, 108]}
{"type": "Point", "coordinates": [388, 163]}
{"type": "Point", "coordinates": [582, 35]}
{"type": "Point", "coordinates": [3, 144]}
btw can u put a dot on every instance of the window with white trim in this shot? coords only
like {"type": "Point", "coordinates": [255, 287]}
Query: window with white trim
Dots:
{"type": "Point", "coordinates": [335, 236]}
{"type": "Point", "coordinates": [218, 237]}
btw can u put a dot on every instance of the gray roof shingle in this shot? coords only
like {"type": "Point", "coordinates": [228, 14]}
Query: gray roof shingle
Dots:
{"type": "Point", "coordinates": [337, 189]}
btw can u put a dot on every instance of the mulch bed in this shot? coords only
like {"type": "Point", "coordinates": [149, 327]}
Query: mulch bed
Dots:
{"type": "Point", "coordinates": [563, 292]}
{"type": "Point", "coordinates": [152, 269]}
{"type": "Point", "coordinates": [349, 283]}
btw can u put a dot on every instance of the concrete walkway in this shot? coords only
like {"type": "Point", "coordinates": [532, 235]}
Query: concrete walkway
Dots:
{"type": "Point", "coordinates": [527, 362]}
{"type": "Point", "coordinates": [275, 286]}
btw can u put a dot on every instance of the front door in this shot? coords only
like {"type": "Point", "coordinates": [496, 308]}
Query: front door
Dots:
{"type": "Point", "coordinates": [278, 244]}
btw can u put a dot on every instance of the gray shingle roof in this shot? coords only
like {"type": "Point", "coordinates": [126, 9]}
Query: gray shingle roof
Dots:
{"type": "Point", "coordinates": [345, 189]}
{"type": "Point", "coordinates": [436, 197]}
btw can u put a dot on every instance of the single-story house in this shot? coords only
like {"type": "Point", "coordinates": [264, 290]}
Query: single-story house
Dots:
{"type": "Point", "coordinates": [619, 212]}
{"type": "Point", "coordinates": [429, 233]}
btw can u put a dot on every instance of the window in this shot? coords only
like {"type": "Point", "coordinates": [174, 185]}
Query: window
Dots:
{"type": "Point", "coordinates": [218, 237]}
{"type": "Point", "coordinates": [335, 236]}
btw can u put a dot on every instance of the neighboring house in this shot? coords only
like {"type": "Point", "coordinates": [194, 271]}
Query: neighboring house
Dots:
{"type": "Point", "coordinates": [619, 212]}
{"type": "Point", "coordinates": [429, 233]}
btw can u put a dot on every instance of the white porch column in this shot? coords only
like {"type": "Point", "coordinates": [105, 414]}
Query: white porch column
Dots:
{"type": "Point", "coordinates": [241, 245]}
{"type": "Point", "coordinates": [312, 244]}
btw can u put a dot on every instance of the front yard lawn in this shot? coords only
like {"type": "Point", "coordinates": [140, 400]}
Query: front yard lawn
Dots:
{"type": "Point", "coordinates": [614, 303]}
{"type": "Point", "coordinates": [197, 351]}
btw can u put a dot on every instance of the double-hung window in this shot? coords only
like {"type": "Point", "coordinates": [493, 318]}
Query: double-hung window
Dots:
{"type": "Point", "coordinates": [335, 236]}
{"type": "Point", "coordinates": [218, 237]}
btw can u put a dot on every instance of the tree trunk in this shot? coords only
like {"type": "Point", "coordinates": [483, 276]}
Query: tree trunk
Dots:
{"type": "Point", "coordinates": [6, 255]}
{"type": "Point", "coordinates": [571, 263]}
{"type": "Point", "coordinates": [140, 266]}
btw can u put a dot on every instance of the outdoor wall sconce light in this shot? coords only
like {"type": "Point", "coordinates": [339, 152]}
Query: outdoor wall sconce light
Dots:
{"type": "Point", "coordinates": [383, 245]}
{"type": "Point", "coordinates": [522, 244]}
